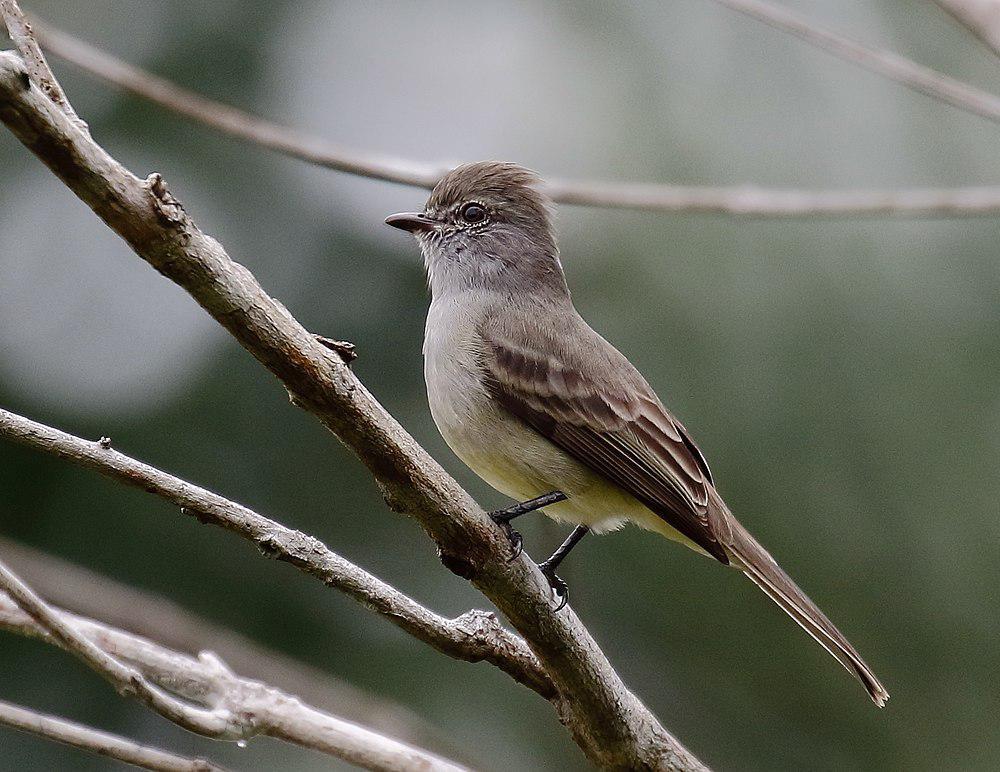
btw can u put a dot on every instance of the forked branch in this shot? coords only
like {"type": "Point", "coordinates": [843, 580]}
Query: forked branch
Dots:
{"type": "Point", "coordinates": [885, 63]}
{"type": "Point", "coordinates": [475, 636]}
{"type": "Point", "coordinates": [150, 615]}
{"type": "Point", "coordinates": [24, 40]}
{"type": "Point", "coordinates": [227, 706]}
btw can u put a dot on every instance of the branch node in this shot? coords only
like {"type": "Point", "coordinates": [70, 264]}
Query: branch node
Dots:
{"type": "Point", "coordinates": [168, 208]}
{"type": "Point", "coordinates": [481, 628]}
{"type": "Point", "coordinates": [269, 546]}
{"type": "Point", "coordinates": [344, 349]}
{"type": "Point", "coordinates": [216, 663]}
{"type": "Point", "coordinates": [105, 442]}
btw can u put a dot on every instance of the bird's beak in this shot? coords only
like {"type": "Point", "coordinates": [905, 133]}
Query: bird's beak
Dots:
{"type": "Point", "coordinates": [414, 222]}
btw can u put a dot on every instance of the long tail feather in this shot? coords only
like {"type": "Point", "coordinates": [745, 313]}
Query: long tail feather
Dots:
{"type": "Point", "coordinates": [762, 569]}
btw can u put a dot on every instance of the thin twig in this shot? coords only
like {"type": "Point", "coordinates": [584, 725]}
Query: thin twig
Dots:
{"type": "Point", "coordinates": [886, 63]}
{"type": "Point", "coordinates": [23, 38]}
{"type": "Point", "coordinates": [233, 121]}
{"type": "Point", "coordinates": [474, 636]}
{"type": "Point", "coordinates": [127, 681]}
{"type": "Point", "coordinates": [150, 615]}
{"type": "Point", "coordinates": [746, 200]}
{"type": "Point", "coordinates": [206, 680]}
{"type": "Point", "coordinates": [980, 17]}
{"type": "Point", "coordinates": [606, 719]}
{"type": "Point", "coordinates": [93, 740]}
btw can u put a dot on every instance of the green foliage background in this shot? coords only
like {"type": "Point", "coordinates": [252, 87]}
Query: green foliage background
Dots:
{"type": "Point", "coordinates": [840, 374]}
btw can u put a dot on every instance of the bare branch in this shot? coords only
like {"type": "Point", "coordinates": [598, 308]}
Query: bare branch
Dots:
{"type": "Point", "coordinates": [84, 592]}
{"type": "Point", "coordinates": [607, 720]}
{"type": "Point", "coordinates": [102, 743]}
{"type": "Point", "coordinates": [255, 708]}
{"type": "Point", "coordinates": [23, 38]}
{"type": "Point", "coordinates": [474, 636]}
{"type": "Point", "coordinates": [233, 121]}
{"type": "Point", "coordinates": [980, 17]}
{"type": "Point", "coordinates": [885, 63]}
{"type": "Point", "coordinates": [127, 681]}
{"type": "Point", "coordinates": [751, 200]}
{"type": "Point", "coordinates": [747, 200]}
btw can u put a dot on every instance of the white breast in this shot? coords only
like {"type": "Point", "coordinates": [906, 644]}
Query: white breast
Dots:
{"type": "Point", "coordinates": [508, 455]}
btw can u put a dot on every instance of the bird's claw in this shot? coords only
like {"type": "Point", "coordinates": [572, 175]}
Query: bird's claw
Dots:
{"type": "Point", "coordinates": [559, 588]}
{"type": "Point", "coordinates": [513, 537]}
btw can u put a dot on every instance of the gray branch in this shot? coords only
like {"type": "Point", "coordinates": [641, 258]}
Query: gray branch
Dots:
{"type": "Point", "coordinates": [746, 200]}
{"type": "Point", "coordinates": [241, 708]}
{"type": "Point", "coordinates": [214, 721]}
{"type": "Point", "coordinates": [607, 720]}
{"type": "Point", "coordinates": [24, 40]}
{"type": "Point", "coordinates": [95, 741]}
{"type": "Point", "coordinates": [81, 591]}
{"type": "Point", "coordinates": [475, 636]}
{"type": "Point", "coordinates": [885, 63]}
{"type": "Point", "coordinates": [980, 17]}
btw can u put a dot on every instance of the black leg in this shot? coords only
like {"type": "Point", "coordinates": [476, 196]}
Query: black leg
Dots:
{"type": "Point", "coordinates": [548, 567]}
{"type": "Point", "coordinates": [502, 517]}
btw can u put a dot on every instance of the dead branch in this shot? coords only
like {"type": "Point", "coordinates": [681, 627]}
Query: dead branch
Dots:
{"type": "Point", "coordinates": [885, 63]}
{"type": "Point", "coordinates": [475, 636]}
{"type": "Point", "coordinates": [95, 741]}
{"type": "Point", "coordinates": [24, 40]}
{"type": "Point", "coordinates": [202, 694]}
{"type": "Point", "coordinates": [745, 200]}
{"type": "Point", "coordinates": [86, 593]}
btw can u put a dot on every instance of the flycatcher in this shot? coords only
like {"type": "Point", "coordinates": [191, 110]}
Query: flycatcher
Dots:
{"type": "Point", "coordinates": [548, 412]}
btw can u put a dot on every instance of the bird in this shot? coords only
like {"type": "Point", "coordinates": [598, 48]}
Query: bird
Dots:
{"type": "Point", "coordinates": [551, 414]}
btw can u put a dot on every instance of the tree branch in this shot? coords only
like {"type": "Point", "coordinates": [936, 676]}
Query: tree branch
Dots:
{"type": "Point", "coordinates": [474, 636]}
{"type": "Point", "coordinates": [980, 17]}
{"type": "Point", "coordinates": [749, 200]}
{"type": "Point", "coordinates": [607, 720]}
{"type": "Point", "coordinates": [886, 63]}
{"type": "Point", "coordinates": [23, 38]}
{"type": "Point", "coordinates": [245, 708]}
{"type": "Point", "coordinates": [81, 591]}
{"type": "Point", "coordinates": [102, 743]}
{"type": "Point", "coordinates": [213, 722]}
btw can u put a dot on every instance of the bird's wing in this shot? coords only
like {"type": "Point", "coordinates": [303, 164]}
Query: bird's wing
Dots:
{"type": "Point", "coordinates": [610, 420]}
{"type": "Point", "coordinates": [595, 406]}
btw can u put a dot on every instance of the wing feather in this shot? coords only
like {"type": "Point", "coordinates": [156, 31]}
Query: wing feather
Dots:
{"type": "Point", "coordinates": [619, 429]}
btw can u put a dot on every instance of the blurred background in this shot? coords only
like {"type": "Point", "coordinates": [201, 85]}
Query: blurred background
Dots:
{"type": "Point", "coordinates": [840, 374]}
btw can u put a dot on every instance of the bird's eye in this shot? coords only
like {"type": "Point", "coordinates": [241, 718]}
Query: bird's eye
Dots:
{"type": "Point", "coordinates": [473, 213]}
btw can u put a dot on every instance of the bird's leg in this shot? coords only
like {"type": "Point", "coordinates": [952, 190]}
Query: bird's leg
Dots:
{"type": "Point", "coordinates": [502, 517]}
{"type": "Point", "coordinates": [548, 567]}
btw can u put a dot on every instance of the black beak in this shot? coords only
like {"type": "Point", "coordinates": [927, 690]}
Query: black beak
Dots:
{"type": "Point", "coordinates": [414, 222]}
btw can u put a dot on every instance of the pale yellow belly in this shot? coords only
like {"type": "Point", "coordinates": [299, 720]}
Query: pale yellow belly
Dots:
{"type": "Point", "coordinates": [505, 452]}
{"type": "Point", "coordinates": [520, 463]}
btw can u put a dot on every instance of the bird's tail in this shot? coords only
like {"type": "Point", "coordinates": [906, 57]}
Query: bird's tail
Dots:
{"type": "Point", "coordinates": [757, 563]}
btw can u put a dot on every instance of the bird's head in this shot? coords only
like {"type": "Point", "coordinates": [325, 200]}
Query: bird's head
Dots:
{"type": "Point", "coordinates": [487, 226]}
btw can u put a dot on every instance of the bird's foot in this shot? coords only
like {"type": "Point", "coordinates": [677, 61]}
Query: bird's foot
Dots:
{"type": "Point", "coordinates": [346, 350]}
{"type": "Point", "coordinates": [559, 588]}
{"type": "Point", "coordinates": [502, 519]}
